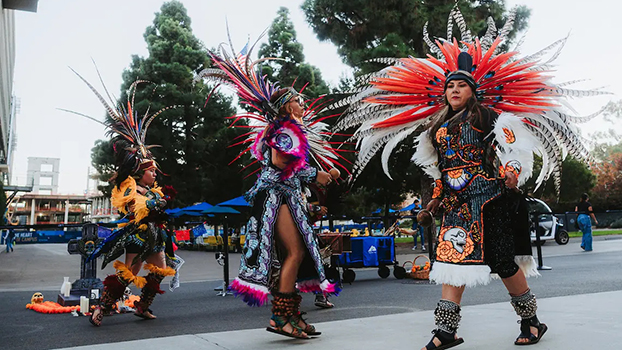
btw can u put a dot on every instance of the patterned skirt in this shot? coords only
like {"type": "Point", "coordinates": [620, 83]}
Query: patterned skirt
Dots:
{"type": "Point", "coordinates": [260, 263]}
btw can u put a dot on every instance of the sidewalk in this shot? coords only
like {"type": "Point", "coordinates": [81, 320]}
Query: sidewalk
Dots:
{"type": "Point", "coordinates": [589, 321]}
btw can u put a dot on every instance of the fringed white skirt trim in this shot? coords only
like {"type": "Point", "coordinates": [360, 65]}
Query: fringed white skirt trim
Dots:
{"type": "Point", "coordinates": [472, 275]}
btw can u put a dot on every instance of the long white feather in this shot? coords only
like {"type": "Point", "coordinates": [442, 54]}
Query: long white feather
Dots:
{"type": "Point", "coordinates": [426, 156]}
{"type": "Point", "coordinates": [520, 145]}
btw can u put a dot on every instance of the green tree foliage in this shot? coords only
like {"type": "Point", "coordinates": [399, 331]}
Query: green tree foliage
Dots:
{"type": "Point", "coordinates": [102, 159]}
{"type": "Point", "coordinates": [365, 29]}
{"type": "Point", "coordinates": [290, 66]}
{"type": "Point", "coordinates": [577, 178]}
{"type": "Point", "coordinates": [194, 155]}
{"type": "Point", "coordinates": [608, 142]}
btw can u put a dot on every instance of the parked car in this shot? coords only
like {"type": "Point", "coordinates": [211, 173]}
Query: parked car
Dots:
{"type": "Point", "coordinates": [549, 226]}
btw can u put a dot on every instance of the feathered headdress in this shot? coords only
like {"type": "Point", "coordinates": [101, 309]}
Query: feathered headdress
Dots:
{"type": "Point", "coordinates": [395, 102]}
{"type": "Point", "coordinates": [128, 131]}
{"type": "Point", "coordinates": [243, 75]}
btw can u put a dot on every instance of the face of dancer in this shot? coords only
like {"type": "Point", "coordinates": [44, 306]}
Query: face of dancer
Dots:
{"type": "Point", "coordinates": [148, 177]}
{"type": "Point", "coordinates": [295, 108]}
{"type": "Point", "coordinates": [458, 93]}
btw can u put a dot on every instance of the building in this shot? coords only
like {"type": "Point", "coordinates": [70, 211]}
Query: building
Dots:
{"type": "Point", "coordinates": [43, 174]}
{"type": "Point", "coordinates": [8, 102]}
{"type": "Point", "coordinates": [101, 208]}
{"type": "Point", "coordinates": [33, 208]}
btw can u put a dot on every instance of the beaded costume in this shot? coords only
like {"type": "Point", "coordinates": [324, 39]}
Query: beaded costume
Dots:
{"type": "Point", "coordinates": [484, 225]}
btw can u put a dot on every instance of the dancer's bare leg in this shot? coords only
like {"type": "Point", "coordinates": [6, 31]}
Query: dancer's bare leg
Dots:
{"type": "Point", "coordinates": [129, 258]}
{"type": "Point", "coordinates": [517, 285]}
{"type": "Point", "coordinates": [292, 245]}
{"type": "Point", "coordinates": [291, 241]}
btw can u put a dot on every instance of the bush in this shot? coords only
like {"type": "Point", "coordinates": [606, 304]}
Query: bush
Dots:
{"type": "Point", "coordinates": [616, 224]}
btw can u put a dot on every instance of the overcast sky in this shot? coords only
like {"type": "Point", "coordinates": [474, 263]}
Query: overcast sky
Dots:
{"type": "Point", "coordinates": [70, 32]}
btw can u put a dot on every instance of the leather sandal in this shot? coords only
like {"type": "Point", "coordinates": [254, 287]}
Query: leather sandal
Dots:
{"type": "Point", "coordinates": [525, 331]}
{"type": "Point", "coordinates": [307, 328]}
{"type": "Point", "coordinates": [277, 323]}
{"type": "Point", "coordinates": [448, 340]}
{"type": "Point", "coordinates": [97, 316]}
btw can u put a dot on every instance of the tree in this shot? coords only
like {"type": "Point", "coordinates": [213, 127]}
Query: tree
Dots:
{"type": "Point", "coordinates": [194, 153]}
{"type": "Point", "coordinates": [607, 194]}
{"type": "Point", "coordinates": [365, 29]}
{"type": "Point", "coordinates": [603, 148]}
{"type": "Point", "coordinates": [102, 159]}
{"type": "Point", "coordinates": [290, 66]}
{"type": "Point", "coordinates": [577, 178]}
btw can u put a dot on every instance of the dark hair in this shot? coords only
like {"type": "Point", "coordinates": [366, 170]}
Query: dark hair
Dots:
{"type": "Point", "coordinates": [584, 197]}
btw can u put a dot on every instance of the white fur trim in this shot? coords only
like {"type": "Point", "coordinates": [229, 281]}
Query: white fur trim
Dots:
{"type": "Point", "coordinates": [521, 149]}
{"type": "Point", "coordinates": [528, 265]}
{"type": "Point", "coordinates": [426, 156]}
{"type": "Point", "coordinates": [459, 275]}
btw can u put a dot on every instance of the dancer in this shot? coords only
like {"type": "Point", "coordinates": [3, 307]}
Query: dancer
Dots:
{"type": "Point", "coordinates": [281, 255]}
{"type": "Point", "coordinates": [480, 115]}
{"type": "Point", "coordinates": [144, 238]}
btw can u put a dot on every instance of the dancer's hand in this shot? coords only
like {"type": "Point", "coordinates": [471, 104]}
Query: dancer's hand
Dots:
{"type": "Point", "coordinates": [323, 211]}
{"type": "Point", "coordinates": [433, 205]}
{"type": "Point", "coordinates": [323, 178]}
{"type": "Point", "coordinates": [335, 173]}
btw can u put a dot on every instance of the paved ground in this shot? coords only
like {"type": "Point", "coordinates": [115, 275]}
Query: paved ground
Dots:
{"type": "Point", "coordinates": [579, 299]}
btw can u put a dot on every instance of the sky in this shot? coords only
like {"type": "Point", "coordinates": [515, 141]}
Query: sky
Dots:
{"type": "Point", "coordinates": [74, 32]}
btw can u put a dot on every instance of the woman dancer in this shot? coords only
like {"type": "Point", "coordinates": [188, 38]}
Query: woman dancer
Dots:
{"type": "Point", "coordinates": [480, 115]}
{"type": "Point", "coordinates": [144, 238]}
{"type": "Point", "coordinates": [281, 255]}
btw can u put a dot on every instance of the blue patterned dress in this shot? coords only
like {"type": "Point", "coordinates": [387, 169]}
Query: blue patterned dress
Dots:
{"type": "Point", "coordinates": [260, 263]}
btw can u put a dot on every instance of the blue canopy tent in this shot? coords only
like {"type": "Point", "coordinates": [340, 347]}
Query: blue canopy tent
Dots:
{"type": "Point", "coordinates": [379, 210]}
{"type": "Point", "coordinates": [172, 211]}
{"type": "Point", "coordinates": [198, 207]}
{"type": "Point", "coordinates": [408, 207]}
{"type": "Point", "coordinates": [235, 202]}
{"type": "Point", "coordinates": [177, 212]}
{"type": "Point", "coordinates": [216, 209]}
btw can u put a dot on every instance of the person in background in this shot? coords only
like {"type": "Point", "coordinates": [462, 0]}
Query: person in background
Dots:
{"type": "Point", "coordinates": [418, 229]}
{"type": "Point", "coordinates": [585, 224]}
{"type": "Point", "coordinates": [9, 240]}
